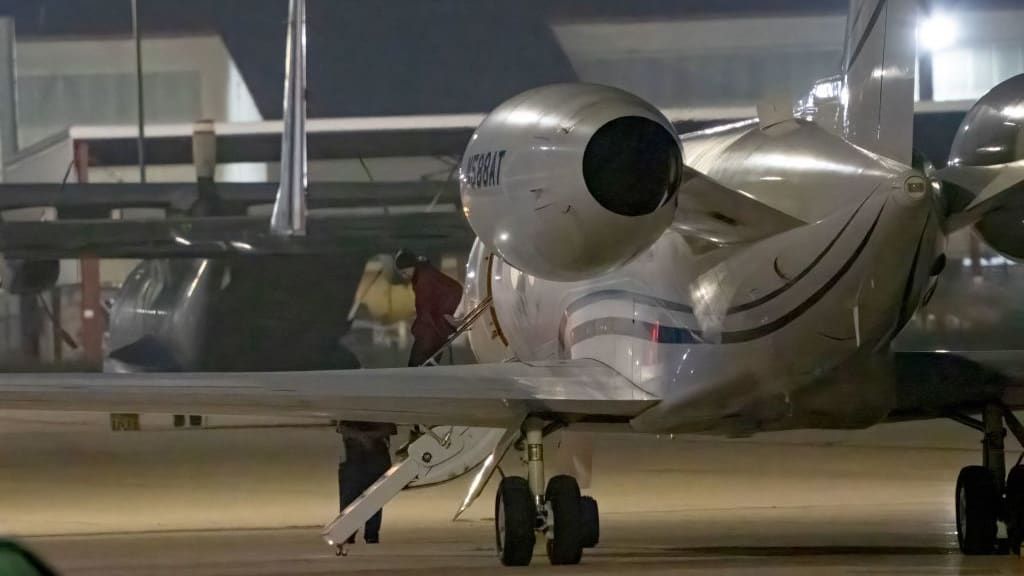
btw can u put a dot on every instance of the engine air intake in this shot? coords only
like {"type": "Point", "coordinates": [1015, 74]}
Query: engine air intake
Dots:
{"type": "Point", "coordinates": [571, 181]}
{"type": "Point", "coordinates": [632, 166]}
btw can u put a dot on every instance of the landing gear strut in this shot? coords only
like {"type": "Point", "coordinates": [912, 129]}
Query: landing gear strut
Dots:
{"type": "Point", "coordinates": [524, 507]}
{"type": "Point", "coordinates": [985, 495]}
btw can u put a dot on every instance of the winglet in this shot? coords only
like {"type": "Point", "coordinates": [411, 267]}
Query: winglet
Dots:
{"type": "Point", "coordinates": [289, 215]}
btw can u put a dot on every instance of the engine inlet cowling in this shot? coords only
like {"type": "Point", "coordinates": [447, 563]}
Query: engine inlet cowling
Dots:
{"type": "Point", "coordinates": [992, 135]}
{"type": "Point", "coordinates": [570, 181]}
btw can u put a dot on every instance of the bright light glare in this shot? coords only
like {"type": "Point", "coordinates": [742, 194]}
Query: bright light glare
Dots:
{"type": "Point", "coordinates": [522, 117]}
{"type": "Point", "coordinates": [937, 32]}
{"type": "Point", "coordinates": [827, 90]}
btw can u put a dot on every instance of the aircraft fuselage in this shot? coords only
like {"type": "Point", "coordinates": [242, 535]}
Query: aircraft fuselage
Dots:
{"type": "Point", "coordinates": [742, 338]}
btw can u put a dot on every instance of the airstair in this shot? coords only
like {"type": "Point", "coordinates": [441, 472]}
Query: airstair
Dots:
{"type": "Point", "coordinates": [438, 454]}
{"type": "Point", "coordinates": [461, 329]}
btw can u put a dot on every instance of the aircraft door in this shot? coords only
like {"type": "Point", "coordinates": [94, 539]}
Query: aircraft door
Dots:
{"type": "Point", "coordinates": [486, 337]}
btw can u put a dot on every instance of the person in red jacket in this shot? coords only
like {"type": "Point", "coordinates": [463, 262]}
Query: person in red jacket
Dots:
{"type": "Point", "coordinates": [437, 297]}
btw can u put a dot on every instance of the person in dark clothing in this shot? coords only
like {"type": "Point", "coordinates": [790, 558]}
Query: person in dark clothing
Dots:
{"type": "Point", "coordinates": [437, 297]}
{"type": "Point", "coordinates": [367, 458]}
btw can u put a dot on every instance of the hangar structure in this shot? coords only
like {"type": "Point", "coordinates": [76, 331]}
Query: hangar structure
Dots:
{"type": "Point", "coordinates": [68, 86]}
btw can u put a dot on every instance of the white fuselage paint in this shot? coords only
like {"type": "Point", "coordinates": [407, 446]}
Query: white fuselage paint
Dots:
{"type": "Point", "coordinates": [789, 331]}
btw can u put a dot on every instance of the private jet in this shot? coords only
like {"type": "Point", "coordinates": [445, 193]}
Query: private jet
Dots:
{"type": "Point", "coordinates": [745, 278]}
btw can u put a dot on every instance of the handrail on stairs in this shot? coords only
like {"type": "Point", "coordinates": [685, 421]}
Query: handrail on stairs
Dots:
{"type": "Point", "coordinates": [464, 326]}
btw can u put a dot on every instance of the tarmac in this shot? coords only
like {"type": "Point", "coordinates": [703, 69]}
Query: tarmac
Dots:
{"type": "Point", "coordinates": [251, 501]}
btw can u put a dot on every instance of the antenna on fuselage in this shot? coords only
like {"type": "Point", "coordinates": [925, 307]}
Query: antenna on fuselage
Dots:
{"type": "Point", "coordinates": [289, 215]}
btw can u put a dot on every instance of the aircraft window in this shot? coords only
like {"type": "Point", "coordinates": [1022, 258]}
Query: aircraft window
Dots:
{"type": "Point", "coordinates": [632, 166]}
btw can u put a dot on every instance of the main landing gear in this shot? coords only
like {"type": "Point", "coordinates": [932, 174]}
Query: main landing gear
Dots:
{"type": "Point", "coordinates": [524, 508]}
{"type": "Point", "coordinates": [986, 496]}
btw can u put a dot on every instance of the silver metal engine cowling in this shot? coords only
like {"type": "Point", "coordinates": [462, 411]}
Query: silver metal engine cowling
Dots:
{"type": "Point", "coordinates": [570, 181]}
{"type": "Point", "coordinates": [992, 135]}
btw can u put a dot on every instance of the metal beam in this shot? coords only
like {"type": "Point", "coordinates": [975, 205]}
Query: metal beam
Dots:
{"type": "Point", "coordinates": [244, 235]}
{"type": "Point", "coordinates": [344, 138]}
{"type": "Point", "coordinates": [77, 200]}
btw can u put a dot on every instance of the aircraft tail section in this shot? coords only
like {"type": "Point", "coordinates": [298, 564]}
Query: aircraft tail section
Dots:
{"type": "Point", "coordinates": [877, 102]}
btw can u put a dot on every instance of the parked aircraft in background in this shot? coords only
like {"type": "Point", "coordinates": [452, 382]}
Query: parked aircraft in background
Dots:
{"type": "Point", "coordinates": [741, 279]}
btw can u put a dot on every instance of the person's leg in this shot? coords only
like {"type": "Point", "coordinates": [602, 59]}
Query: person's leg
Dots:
{"type": "Point", "coordinates": [349, 481]}
{"type": "Point", "coordinates": [341, 485]}
{"type": "Point", "coordinates": [421, 352]}
{"type": "Point", "coordinates": [372, 529]}
{"type": "Point", "coordinates": [349, 471]}
{"type": "Point", "coordinates": [377, 465]}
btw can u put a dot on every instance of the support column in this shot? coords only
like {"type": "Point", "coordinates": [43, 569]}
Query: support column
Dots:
{"type": "Point", "coordinates": [141, 140]}
{"type": "Point", "coordinates": [925, 76]}
{"type": "Point", "coordinates": [30, 322]}
{"type": "Point", "coordinates": [56, 324]}
{"type": "Point", "coordinates": [8, 93]}
{"type": "Point", "coordinates": [92, 316]}
{"type": "Point", "coordinates": [204, 157]}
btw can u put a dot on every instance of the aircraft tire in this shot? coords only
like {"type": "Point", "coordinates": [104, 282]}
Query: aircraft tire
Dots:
{"type": "Point", "coordinates": [563, 494]}
{"type": "Point", "coordinates": [977, 510]}
{"type": "Point", "coordinates": [515, 516]}
{"type": "Point", "coordinates": [1015, 508]}
{"type": "Point", "coordinates": [591, 521]}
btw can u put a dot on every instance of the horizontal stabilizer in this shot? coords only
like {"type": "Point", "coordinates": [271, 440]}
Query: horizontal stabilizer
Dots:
{"type": "Point", "coordinates": [721, 216]}
{"type": "Point", "coordinates": [974, 191]}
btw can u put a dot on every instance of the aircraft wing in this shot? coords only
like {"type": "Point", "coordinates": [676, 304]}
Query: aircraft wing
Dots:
{"type": "Point", "coordinates": [474, 395]}
{"type": "Point", "coordinates": [717, 214]}
{"type": "Point", "coordinates": [935, 384]}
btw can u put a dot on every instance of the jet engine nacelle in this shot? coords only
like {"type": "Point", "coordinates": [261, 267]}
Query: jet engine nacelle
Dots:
{"type": "Point", "coordinates": [992, 134]}
{"type": "Point", "coordinates": [570, 181]}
